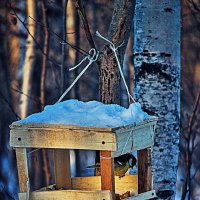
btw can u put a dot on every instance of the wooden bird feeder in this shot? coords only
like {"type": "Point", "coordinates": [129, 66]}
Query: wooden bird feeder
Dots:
{"type": "Point", "coordinates": [111, 142]}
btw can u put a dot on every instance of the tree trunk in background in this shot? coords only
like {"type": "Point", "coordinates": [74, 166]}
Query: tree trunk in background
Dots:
{"type": "Point", "coordinates": [14, 53]}
{"type": "Point", "coordinates": [42, 87]}
{"type": "Point", "coordinates": [44, 59]}
{"type": "Point", "coordinates": [118, 33]}
{"type": "Point", "coordinates": [8, 175]}
{"type": "Point", "coordinates": [64, 31]}
{"type": "Point", "coordinates": [157, 81]}
{"type": "Point", "coordinates": [190, 83]}
{"type": "Point", "coordinates": [28, 63]}
{"type": "Point", "coordinates": [71, 26]}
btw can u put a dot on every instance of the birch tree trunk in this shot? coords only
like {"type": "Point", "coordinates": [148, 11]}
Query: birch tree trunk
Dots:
{"type": "Point", "coordinates": [157, 81]}
{"type": "Point", "coordinates": [27, 68]}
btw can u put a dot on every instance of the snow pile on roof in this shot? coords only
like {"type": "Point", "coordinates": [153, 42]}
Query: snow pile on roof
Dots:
{"type": "Point", "coordinates": [92, 113]}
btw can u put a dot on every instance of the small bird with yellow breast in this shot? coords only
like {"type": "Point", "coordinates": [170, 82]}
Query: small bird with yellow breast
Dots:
{"type": "Point", "coordinates": [121, 164]}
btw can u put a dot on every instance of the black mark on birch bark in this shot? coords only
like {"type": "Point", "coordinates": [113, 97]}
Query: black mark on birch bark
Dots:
{"type": "Point", "coordinates": [154, 69]}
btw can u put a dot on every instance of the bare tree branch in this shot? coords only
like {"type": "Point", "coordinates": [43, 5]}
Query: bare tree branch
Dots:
{"type": "Point", "coordinates": [44, 60]}
{"type": "Point", "coordinates": [83, 18]}
{"type": "Point", "coordinates": [10, 106]}
{"type": "Point", "coordinates": [82, 51]}
{"type": "Point", "coordinates": [38, 45]}
{"type": "Point", "coordinates": [63, 46]}
{"type": "Point", "coordinates": [189, 150]}
{"type": "Point", "coordinates": [191, 121]}
{"type": "Point", "coordinates": [30, 97]}
{"type": "Point", "coordinates": [195, 6]}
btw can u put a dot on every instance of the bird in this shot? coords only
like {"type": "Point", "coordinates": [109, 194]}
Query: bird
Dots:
{"type": "Point", "coordinates": [121, 164]}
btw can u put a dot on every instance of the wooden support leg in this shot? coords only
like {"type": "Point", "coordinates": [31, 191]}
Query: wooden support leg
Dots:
{"type": "Point", "coordinates": [62, 169]}
{"type": "Point", "coordinates": [107, 172]}
{"type": "Point", "coordinates": [22, 167]}
{"type": "Point", "coordinates": [144, 171]}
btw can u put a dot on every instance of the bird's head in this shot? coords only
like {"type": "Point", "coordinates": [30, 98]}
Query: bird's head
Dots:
{"type": "Point", "coordinates": [132, 160]}
{"type": "Point", "coordinates": [126, 158]}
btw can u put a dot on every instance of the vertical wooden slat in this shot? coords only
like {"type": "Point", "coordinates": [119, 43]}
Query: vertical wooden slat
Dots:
{"type": "Point", "coordinates": [107, 172]}
{"type": "Point", "coordinates": [62, 169]}
{"type": "Point", "coordinates": [22, 167]}
{"type": "Point", "coordinates": [144, 171]}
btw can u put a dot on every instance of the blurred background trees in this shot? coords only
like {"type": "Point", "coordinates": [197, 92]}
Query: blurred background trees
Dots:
{"type": "Point", "coordinates": [40, 40]}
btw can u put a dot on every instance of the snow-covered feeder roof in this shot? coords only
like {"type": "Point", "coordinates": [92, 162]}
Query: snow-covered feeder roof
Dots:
{"type": "Point", "coordinates": [92, 114]}
{"type": "Point", "coordinates": [91, 125]}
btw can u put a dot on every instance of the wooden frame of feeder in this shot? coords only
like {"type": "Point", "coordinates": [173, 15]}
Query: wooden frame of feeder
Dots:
{"type": "Point", "coordinates": [111, 142]}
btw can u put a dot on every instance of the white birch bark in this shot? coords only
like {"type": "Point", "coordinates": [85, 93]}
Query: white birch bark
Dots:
{"type": "Point", "coordinates": [27, 68]}
{"type": "Point", "coordinates": [157, 81]}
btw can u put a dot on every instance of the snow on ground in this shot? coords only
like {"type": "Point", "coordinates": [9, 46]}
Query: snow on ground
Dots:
{"type": "Point", "coordinates": [92, 113]}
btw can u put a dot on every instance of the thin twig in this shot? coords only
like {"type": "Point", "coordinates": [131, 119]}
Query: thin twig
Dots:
{"type": "Point", "coordinates": [191, 122]}
{"type": "Point", "coordinates": [190, 150]}
{"type": "Point", "coordinates": [193, 113]}
{"type": "Point", "coordinates": [63, 46]}
{"type": "Point", "coordinates": [44, 60]}
{"type": "Point", "coordinates": [10, 106]}
{"type": "Point", "coordinates": [30, 97]}
{"type": "Point", "coordinates": [83, 18]}
{"type": "Point", "coordinates": [38, 45]}
{"type": "Point", "coordinates": [82, 51]}
{"type": "Point", "coordinates": [194, 5]}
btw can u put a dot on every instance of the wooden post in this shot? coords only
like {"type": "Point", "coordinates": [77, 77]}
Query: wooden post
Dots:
{"type": "Point", "coordinates": [144, 170]}
{"type": "Point", "coordinates": [107, 172]}
{"type": "Point", "coordinates": [62, 169]}
{"type": "Point", "coordinates": [22, 167]}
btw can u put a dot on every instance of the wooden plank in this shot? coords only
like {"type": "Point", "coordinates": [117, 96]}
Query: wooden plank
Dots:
{"type": "Point", "coordinates": [122, 185]}
{"type": "Point", "coordinates": [62, 169]}
{"type": "Point", "coordinates": [130, 139]}
{"type": "Point", "coordinates": [144, 196]}
{"type": "Point", "coordinates": [22, 167]}
{"type": "Point", "coordinates": [67, 195]}
{"type": "Point", "coordinates": [107, 172]}
{"type": "Point", "coordinates": [19, 125]}
{"type": "Point", "coordinates": [144, 171]}
{"type": "Point", "coordinates": [151, 121]}
{"type": "Point", "coordinates": [62, 138]}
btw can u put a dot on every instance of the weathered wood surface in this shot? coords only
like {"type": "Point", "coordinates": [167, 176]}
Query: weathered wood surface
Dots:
{"type": "Point", "coordinates": [76, 137]}
{"type": "Point", "coordinates": [107, 172]}
{"type": "Point", "coordinates": [122, 185]}
{"type": "Point", "coordinates": [135, 137]}
{"type": "Point", "coordinates": [67, 195]}
{"type": "Point", "coordinates": [54, 137]}
{"type": "Point", "coordinates": [22, 167]}
{"type": "Point", "coordinates": [62, 169]}
{"type": "Point", "coordinates": [144, 170]}
{"type": "Point", "coordinates": [19, 125]}
{"type": "Point", "coordinates": [144, 196]}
